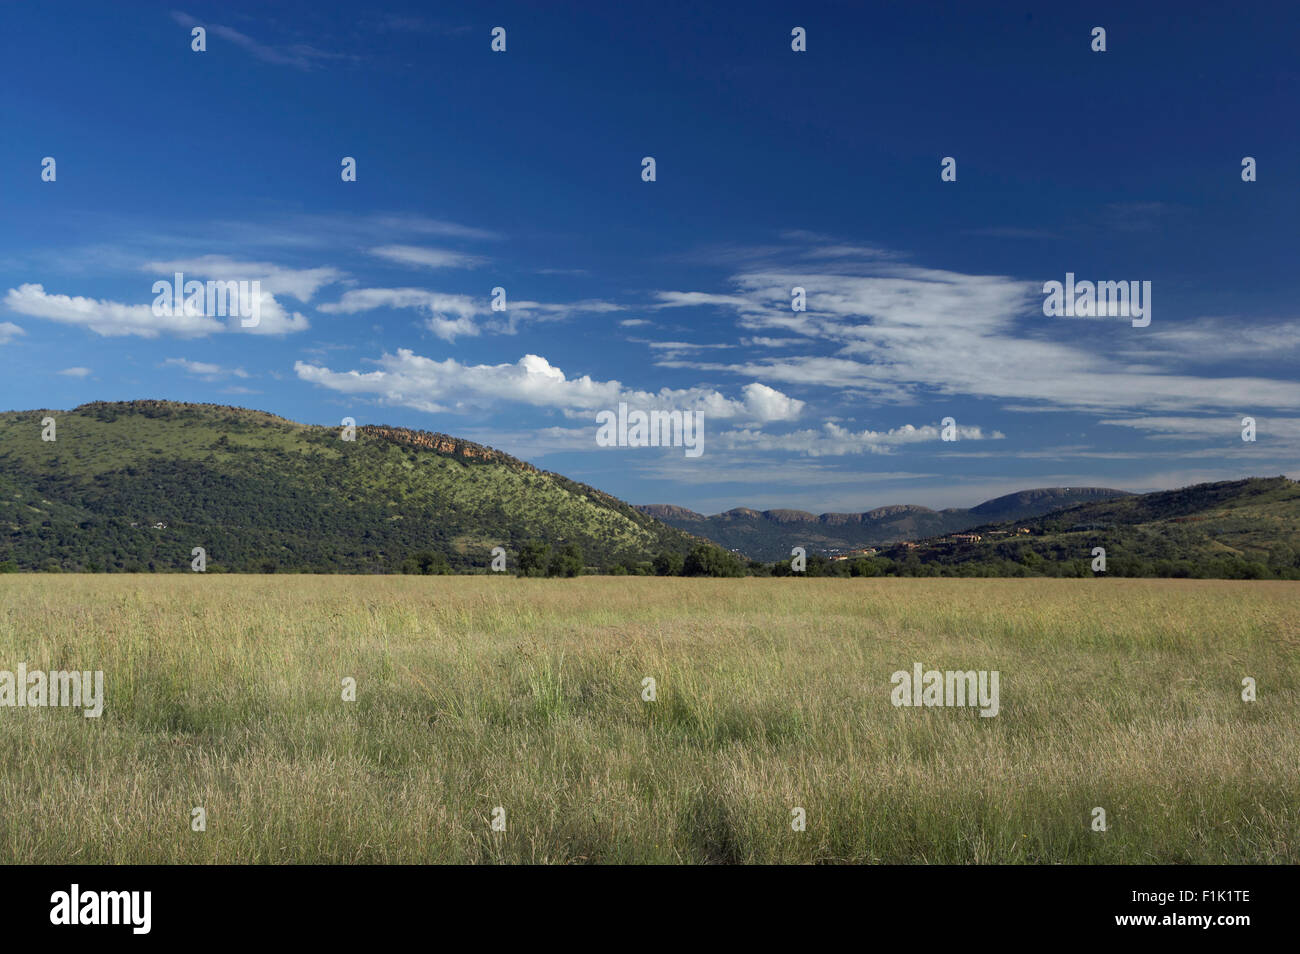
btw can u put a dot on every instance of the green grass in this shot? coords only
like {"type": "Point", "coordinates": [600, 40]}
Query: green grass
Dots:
{"type": "Point", "coordinates": [476, 692]}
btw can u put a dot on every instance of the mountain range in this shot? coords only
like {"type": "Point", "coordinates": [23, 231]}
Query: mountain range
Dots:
{"type": "Point", "coordinates": [1232, 529]}
{"type": "Point", "coordinates": [138, 485]}
{"type": "Point", "coordinates": [771, 534]}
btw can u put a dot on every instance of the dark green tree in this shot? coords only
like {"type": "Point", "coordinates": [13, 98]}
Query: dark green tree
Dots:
{"type": "Point", "coordinates": [566, 562]}
{"type": "Point", "coordinates": [534, 558]}
{"type": "Point", "coordinates": [668, 564]}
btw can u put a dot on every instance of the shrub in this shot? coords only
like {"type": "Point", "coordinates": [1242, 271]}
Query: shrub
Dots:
{"type": "Point", "coordinates": [425, 563]}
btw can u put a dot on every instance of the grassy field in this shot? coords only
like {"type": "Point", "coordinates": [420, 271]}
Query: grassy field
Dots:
{"type": "Point", "coordinates": [475, 692]}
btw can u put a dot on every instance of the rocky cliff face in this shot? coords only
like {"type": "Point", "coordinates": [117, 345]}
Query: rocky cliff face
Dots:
{"type": "Point", "coordinates": [443, 444]}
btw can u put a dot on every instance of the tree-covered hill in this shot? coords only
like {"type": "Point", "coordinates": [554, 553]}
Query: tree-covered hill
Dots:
{"type": "Point", "coordinates": [259, 492]}
{"type": "Point", "coordinates": [1240, 529]}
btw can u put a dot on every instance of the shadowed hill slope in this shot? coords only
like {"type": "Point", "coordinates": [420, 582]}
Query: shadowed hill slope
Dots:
{"type": "Point", "coordinates": [1237, 529]}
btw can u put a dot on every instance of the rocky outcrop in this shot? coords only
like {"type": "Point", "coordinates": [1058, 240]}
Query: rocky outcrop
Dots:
{"type": "Point", "coordinates": [443, 444]}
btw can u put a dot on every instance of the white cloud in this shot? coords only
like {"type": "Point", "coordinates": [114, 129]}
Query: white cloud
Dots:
{"type": "Point", "coordinates": [452, 316]}
{"type": "Point", "coordinates": [75, 372]}
{"type": "Point", "coordinates": [683, 346]}
{"type": "Point", "coordinates": [274, 320]}
{"type": "Point", "coordinates": [301, 283]}
{"type": "Point", "coordinates": [672, 299]}
{"type": "Point", "coordinates": [1226, 427]}
{"type": "Point", "coordinates": [836, 441]}
{"type": "Point", "coordinates": [8, 330]}
{"type": "Point", "coordinates": [903, 332]}
{"type": "Point", "coordinates": [107, 318]}
{"type": "Point", "coordinates": [412, 380]}
{"type": "Point", "coordinates": [421, 225]}
{"type": "Point", "coordinates": [769, 404]}
{"type": "Point", "coordinates": [1214, 340]}
{"type": "Point", "coordinates": [427, 257]}
{"type": "Point", "coordinates": [205, 369]}
{"type": "Point", "coordinates": [461, 308]}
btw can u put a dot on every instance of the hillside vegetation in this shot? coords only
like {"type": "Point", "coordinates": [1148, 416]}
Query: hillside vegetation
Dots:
{"type": "Point", "coordinates": [1240, 529]}
{"type": "Point", "coordinates": [261, 493]}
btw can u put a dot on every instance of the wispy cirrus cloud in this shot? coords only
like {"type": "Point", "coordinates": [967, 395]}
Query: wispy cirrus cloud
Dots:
{"type": "Point", "coordinates": [110, 318]}
{"type": "Point", "coordinates": [900, 332]}
{"type": "Point", "coordinates": [299, 283]}
{"type": "Point", "coordinates": [302, 56]}
{"type": "Point", "coordinates": [450, 316]}
{"type": "Point", "coordinates": [421, 257]}
{"type": "Point", "coordinates": [204, 369]}
{"type": "Point", "coordinates": [1226, 427]}
{"type": "Point", "coordinates": [833, 440]}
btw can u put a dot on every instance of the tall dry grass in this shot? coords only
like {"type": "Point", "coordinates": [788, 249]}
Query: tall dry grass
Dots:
{"type": "Point", "coordinates": [477, 692]}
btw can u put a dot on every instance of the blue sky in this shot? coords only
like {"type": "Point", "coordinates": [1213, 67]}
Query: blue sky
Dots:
{"type": "Point", "coordinates": [774, 168]}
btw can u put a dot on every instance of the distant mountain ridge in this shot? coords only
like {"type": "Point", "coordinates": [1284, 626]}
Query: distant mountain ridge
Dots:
{"type": "Point", "coordinates": [1234, 529]}
{"type": "Point", "coordinates": [770, 534]}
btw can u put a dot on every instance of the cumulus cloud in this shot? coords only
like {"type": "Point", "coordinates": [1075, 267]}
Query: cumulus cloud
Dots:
{"type": "Point", "coordinates": [412, 380]}
{"type": "Point", "coordinates": [107, 318]}
{"type": "Point", "coordinates": [9, 331]}
{"type": "Point", "coordinates": [769, 404]}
